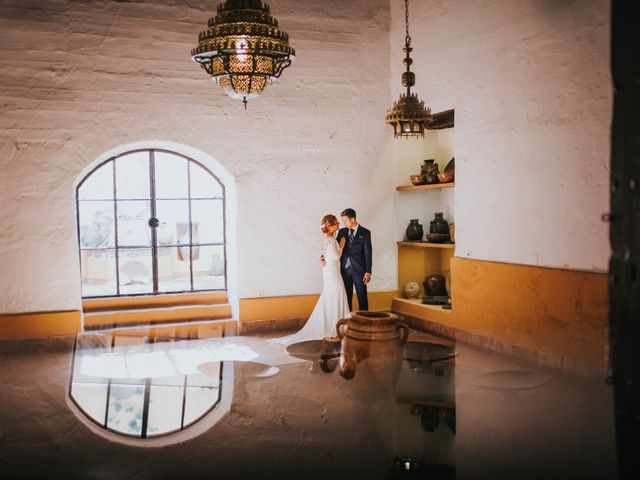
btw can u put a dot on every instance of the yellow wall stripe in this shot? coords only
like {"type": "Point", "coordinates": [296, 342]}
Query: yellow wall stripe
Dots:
{"type": "Point", "coordinates": [39, 324]}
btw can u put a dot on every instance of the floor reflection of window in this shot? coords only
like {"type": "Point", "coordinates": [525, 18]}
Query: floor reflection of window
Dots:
{"type": "Point", "coordinates": [149, 222]}
{"type": "Point", "coordinates": [142, 386]}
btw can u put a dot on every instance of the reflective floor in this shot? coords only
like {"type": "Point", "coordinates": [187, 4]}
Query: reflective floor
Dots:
{"type": "Point", "coordinates": [198, 402]}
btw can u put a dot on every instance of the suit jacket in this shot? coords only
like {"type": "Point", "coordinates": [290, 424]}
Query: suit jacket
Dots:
{"type": "Point", "coordinates": [359, 250]}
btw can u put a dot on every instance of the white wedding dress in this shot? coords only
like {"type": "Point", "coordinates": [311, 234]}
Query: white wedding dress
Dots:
{"type": "Point", "coordinates": [332, 304]}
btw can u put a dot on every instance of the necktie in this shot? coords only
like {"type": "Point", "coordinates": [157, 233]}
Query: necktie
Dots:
{"type": "Point", "coordinates": [348, 264]}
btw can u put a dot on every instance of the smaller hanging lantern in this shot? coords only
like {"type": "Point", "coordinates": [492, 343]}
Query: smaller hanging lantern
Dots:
{"type": "Point", "coordinates": [408, 116]}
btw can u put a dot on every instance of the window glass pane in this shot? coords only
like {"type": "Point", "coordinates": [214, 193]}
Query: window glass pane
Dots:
{"type": "Point", "coordinates": [211, 379]}
{"type": "Point", "coordinates": [169, 381]}
{"type": "Point", "coordinates": [171, 176]}
{"type": "Point", "coordinates": [98, 273]}
{"type": "Point", "coordinates": [97, 229]}
{"type": "Point", "coordinates": [174, 222]}
{"type": "Point", "coordinates": [199, 400]}
{"type": "Point", "coordinates": [132, 176]}
{"type": "Point", "coordinates": [135, 271]}
{"type": "Point", "coordinates": [174, 274]}
{"type": "Point", "coordinates": [99, 185]}
{"type": "Point", "coordinates": [90, 349]}
{"type": "Point", "coordinates": [133, 223]}
{"type": "Point", "coordinates": [165, 410]}
{"type": "Point", "coordinates": [203, 184]}
{"type": "Point", "coordinates": [208, 268]}
{"type": "Point", "coordinates": [92, 398]}
{"type": "Point", "coordinates": [125, 409]}
{"type": "Point", "coordinates": [208, 224]}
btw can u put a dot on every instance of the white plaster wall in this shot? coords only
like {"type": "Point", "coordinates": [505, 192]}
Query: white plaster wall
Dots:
{"type": "Point", "coordinates": [82, 78]}
{"type": "Point", "coordinates": [530, 83]}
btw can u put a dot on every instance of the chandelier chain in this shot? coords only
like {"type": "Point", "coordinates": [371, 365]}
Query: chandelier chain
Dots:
{"type": "Point", "coordinates": [407, 38]}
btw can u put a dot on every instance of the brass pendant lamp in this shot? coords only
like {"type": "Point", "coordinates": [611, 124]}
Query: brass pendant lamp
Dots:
{"type": "Point", "coordinates": [408, 116]}
{"type": "Point", "coordinates": [243, 49]}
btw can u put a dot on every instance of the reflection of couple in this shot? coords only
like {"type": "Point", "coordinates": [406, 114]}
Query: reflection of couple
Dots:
{"type": "Point", "coordinates": [346, 264]}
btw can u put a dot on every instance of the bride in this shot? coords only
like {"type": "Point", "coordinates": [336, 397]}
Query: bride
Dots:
{"type": "Point", "coordinates": [332, 304]}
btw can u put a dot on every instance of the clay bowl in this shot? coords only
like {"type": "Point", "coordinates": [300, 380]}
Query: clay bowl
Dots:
{"type": "Point", "coordinates": [418, 179]}
{"type": "Point", "coordinates": [445, 177]}
{"type": "Point", "coordinates": [438, 237]}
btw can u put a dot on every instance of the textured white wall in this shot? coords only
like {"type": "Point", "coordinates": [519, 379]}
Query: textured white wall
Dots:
{"type": "Point", "coordinates": [81, 78]}
{"type": "Point", "coordinates": [531, 86]}
{"type": "Point", "coordinates": [529, 80]}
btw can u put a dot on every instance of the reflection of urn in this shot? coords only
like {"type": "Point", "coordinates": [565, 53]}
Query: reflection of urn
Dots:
{"type": "Point", "coordinates": [439, 224]}
{"type": "Point", "coordinates": [372, 336]}
{"type": "Point", "coordinates": [414, 230]}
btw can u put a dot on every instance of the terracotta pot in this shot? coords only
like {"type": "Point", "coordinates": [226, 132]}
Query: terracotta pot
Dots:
{"type": "Point", "coordinates": [376, 337]}
{"type": "Point", "coordinates": [373, 326]}
{"type": "Point", "coordinates": [445, 177]}
{"type": "Point", "coordinates": [414, 230]}
{"type": "Point", "coordinates": [418, 179]}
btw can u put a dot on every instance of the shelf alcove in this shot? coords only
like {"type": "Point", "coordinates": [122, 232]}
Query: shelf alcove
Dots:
{"type": "Point", "coordinates": [418, 259]}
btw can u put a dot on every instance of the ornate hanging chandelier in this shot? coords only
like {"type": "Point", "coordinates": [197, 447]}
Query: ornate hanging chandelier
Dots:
{"type": "Point", "coordinates": [242, 49]}
{"type": "Point", "coordinates": [408, 115]}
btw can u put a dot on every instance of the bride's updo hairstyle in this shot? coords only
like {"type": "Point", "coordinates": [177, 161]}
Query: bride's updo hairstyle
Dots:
{"type": "Point", "coordinates": [329, 222]}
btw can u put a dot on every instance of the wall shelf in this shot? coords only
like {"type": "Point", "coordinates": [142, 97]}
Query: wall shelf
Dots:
{"type": "Point", "coordinates": [426, 245]}
{"type": "Point", "coordinates": [435, 186]}
{"type": "Point", "coordinates": [417, 309]}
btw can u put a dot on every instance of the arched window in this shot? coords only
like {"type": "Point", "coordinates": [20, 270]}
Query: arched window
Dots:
{"type": "Point", "coordinates": [151, 221]}
{"type": "Point", "coordinates": [145, 386]}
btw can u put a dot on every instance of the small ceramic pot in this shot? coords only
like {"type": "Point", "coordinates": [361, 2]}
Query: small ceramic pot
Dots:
{"type": "Point", "coordinates": [414, 230]}
{"type": "Point", "coordinates": [432, 176]}
{"type": "Point", "coordinates": [412, 289]}
{"type": "Point", "coordinates": [428, 165]}
{"type": "Point", "coordinates": [439, 224]}
{"type": "Point", "coordinates": [434, 285]}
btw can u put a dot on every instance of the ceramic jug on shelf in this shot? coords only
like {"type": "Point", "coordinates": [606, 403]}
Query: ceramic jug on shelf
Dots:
{"type": "Point", "coordinates": [439, 224]}
{"type": "Point", "coordinates": [414, 230]}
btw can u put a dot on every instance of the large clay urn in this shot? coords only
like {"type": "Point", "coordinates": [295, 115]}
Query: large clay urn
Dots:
{"type": "Point", "coordinates": [373, 336]}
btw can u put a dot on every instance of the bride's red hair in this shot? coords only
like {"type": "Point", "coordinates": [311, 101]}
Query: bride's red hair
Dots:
{"type": "Point", "coordinates": [329, 222]}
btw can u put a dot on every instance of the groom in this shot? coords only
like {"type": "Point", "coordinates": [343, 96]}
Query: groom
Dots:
{"type": "Point", "coordinates": [355, 263]}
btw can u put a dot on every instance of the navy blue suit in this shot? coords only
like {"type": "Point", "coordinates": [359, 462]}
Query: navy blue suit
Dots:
{"type": "Point", "coordinates": [354, 263]}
